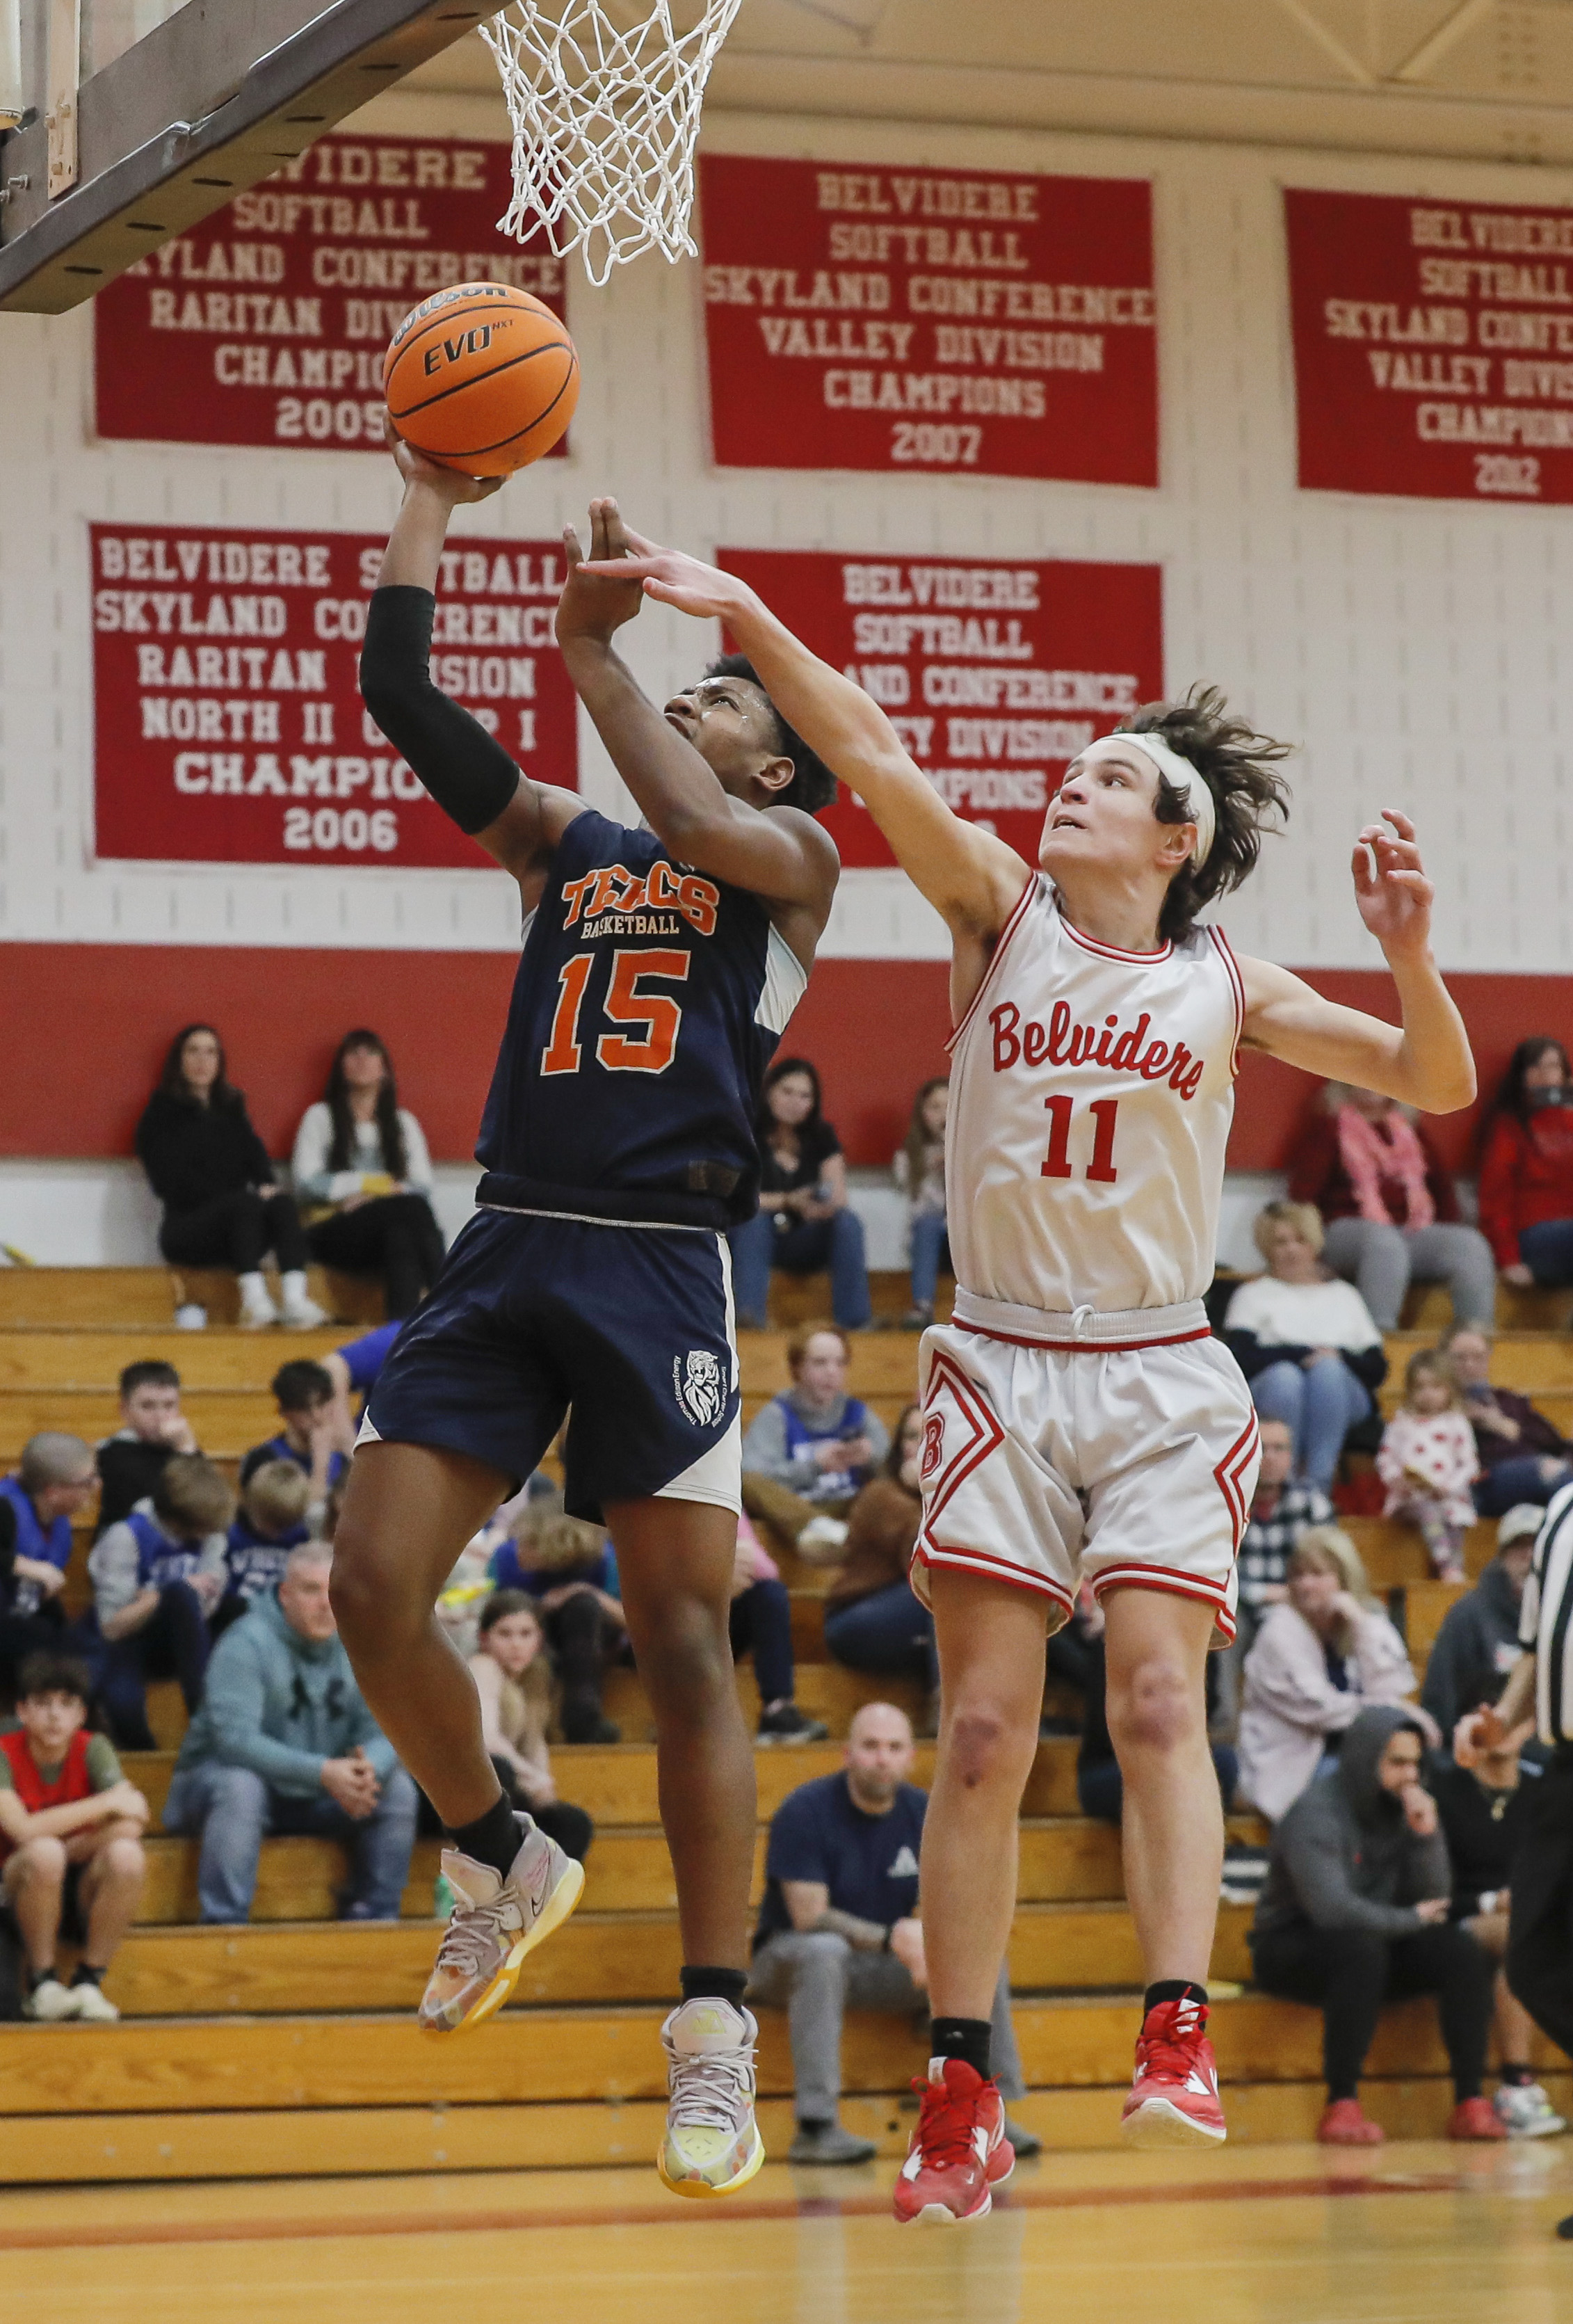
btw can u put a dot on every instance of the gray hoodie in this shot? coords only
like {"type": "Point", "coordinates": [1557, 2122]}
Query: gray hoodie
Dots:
{"type": "Point", "coordinates": [281, 1704]}
{"type": "Point", "coordinates": [1476, 1648]}
{"type": "Point", "coordinates": [1343, 1857]}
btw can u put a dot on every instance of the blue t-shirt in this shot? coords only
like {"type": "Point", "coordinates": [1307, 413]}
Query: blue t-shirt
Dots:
{"type": "Point", "coordinates": [869, 1863]}
{"type": "Point", "coordinates": [278, 1448]}
{"type": "Point", "coordinates": [257, 1562]}
{"type": "Point", "coordinates": [47, 1545]}
{"type": "Point", "coordinates": [508, 1573]}
{"type": "Point", "coordinates": [365, 1357]}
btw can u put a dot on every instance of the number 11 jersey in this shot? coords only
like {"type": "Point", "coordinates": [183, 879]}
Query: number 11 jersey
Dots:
{"type": "Point", "coordinates": [1091, 1095]}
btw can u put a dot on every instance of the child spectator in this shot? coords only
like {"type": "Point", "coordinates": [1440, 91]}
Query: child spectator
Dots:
{"type": "Point", "coordinates": [919, 1172]}
{"type": "Point", "coordinates": [316, 1432]}
{"type": "Point", "coordinates": [154, 1428]}
{"type": "Point", "coordinates": [1523, 1455]}
{"type": "Point", "coordinates": [70, 1840]}
{"type": "Point", "coordinates": [362, 1169]}
{"type": "Point", "coordinates": [513, 1680]}
{"type": "Point", "coordinates": [568, 1569]}
{"type": "Point", "coordinates": [271, 1522]}
{"type": "Point", "coordinates": [156, 1577]}
{"type": "Point", "coordinates": [53, 1482]}
{"type": "Point", "coordinates": [810, 1451]}
{"type": "Point", "coordinates": [214, 1176]}
{"type": "Point", "coordinates": [1526, 1167]}
{"type": "Point", "coordinates": [1427, 1462]}
{"type": "Point", "coordinates": [1305, 1341]}
{"type": "Point", "coordinates": [803, 1222]}
{"type": "Point", "coordinates": [761, 1625]}
{"type": "Point", "coordinates": [874, 1621]}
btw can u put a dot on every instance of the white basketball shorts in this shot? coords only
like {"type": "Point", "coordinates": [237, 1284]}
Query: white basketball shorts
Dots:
{"type": "Point", "coordinates": [1046, 1465]}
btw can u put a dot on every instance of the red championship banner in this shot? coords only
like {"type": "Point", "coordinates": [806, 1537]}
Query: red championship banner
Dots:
{"type": "Point", "coordinates": [994, 675]}
{"type": "Point", "coordinates": [267, 323]}
{"type": "Point", "coordinates": [1433, 347]}
{"type": "Point", "coordinates": [227, 718]}
{"type": "Point", "coordinates": [898, 319]}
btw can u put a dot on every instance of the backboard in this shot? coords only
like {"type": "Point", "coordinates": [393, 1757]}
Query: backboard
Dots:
{"type": "Point", "coordinates": [125, 122]}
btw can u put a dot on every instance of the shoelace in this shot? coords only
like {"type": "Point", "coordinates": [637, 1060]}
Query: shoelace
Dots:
{"type": "Point", "coordinates": [1169, 2048]}
{"type": "Point", "coordinates": [474, 1931]}
{"type": "Point", "coordinates": [713, 2090]}
{"type": "Point", "coordinates": [945, 2125]}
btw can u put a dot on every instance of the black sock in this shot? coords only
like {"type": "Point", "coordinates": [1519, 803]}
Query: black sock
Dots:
{"type": "Point", "coordinates": [493, 1839]}
{"type": "Point", "coordinates": [1518, 2078]}
{"type": "Point", "coordinates": [87, 1974]}
{"type": "Point", "coordinates": [715, 1985]}
{"type": "Point", "coordinates": [1463, 2091]}
{"type": "Point", "coordinates": [1173, 1989]}
{"type": "Point", "coordinates": [37, 1977]}
{"type": "Point", "coordinates": [961, 2037]}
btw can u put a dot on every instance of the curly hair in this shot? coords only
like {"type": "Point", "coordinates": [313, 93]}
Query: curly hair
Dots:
{"type": "Point", "coordinates": [1239, 767]}
{"type": "Point", "coordinates": [812, 785]}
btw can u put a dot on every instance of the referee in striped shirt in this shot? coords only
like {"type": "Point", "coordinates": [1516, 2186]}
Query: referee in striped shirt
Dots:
{"type": "Point", "coordinates": [1538, 1699]}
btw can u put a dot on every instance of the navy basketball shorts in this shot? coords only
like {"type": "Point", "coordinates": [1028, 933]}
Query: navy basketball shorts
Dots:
{"type": "Point", "coordinates": [626, 1330]}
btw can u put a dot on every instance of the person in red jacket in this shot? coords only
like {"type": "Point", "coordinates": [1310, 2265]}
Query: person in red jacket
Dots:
{"type": "Point", "coordinates": [1526, 1167]}
{"type": "Point", "coordinates": [1390, 1207]}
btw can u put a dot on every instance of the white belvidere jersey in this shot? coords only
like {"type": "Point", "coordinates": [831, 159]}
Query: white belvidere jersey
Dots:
{"type": "Point", "coordinates": [1092, 1094]}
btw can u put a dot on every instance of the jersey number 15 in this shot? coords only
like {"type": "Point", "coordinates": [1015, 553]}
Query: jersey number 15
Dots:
{"type": "Point", "coordinates": [657, 1018]}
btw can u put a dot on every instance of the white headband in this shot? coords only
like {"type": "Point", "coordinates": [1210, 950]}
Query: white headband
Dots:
{"type": "Point", "coordinates": [1187, 779]}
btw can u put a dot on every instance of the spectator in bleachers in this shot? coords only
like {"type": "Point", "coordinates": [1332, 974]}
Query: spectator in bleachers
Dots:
{"type": "Point", "coordinates": [1282, 1509]}
{"type": "Point", "coordinates": [838, 1931]}
{"type": "Point", "coordinates": [568, 1569]}
{"type": "Point", "coordinates": [803, 1222]}
{"type": "Point", "coordinates": [223, 1206]}
{"type": "Point", "coordinates": [919, 1171]}
{"type": "Point", "coordinates": [272, 1520]}
{"type": "Point", "coordinates": [874, 1621]}
{"type": "Point", "coordinates": [1390, 1207]}
{"type": "Point", "coordinates": [283, 1742]}
{"type": "Point", "coordinates": [1305, 1340]}
{"type": "Point", "coordinates": [1354, 1913]}
{"type": "Point", "coordinates": [1526, 1167]}
{"type": "Point", "coordinates": [1478, 1644]}
{"type": "Point", "coordinates": [1484, 1820]}
{"type": "Point", "coordinates": [364, 1175]}
{"type": "Point", "coordinates": [1427, 1462]}
{"type": "Point", "coordinates": [316, 1432]}
{"type": "Point", "coordinates": [52, 1483]}
{"type": "Point", "coordinates": [1522, 1456]}
{"type": "Point", "coordinates": [513, 1679]}
{"type": "Point", "coordinates": [70, 1840]}
{"type": "Point", "coordinates": [153, 1430]}
{"type": "Point", "coordinates": [811, 1450]}
{"type": "Point", "coordinates": [157, 1576]}
{"type": "Point", "coordinates": [761, 1626]}
{"type": "Point", "coordinates": [1319, 1660]}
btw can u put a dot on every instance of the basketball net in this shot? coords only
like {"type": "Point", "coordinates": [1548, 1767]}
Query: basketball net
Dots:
{"type": "Point", "coordinates": [604, 124]}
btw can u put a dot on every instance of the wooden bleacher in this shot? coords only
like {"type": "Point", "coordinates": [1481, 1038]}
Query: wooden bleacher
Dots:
{"type": "Point", "coordinates": [287, 2047]}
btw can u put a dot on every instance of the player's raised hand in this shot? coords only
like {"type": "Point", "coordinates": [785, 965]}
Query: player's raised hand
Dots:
{"type": "Point", "coordinates": [417, 469]}
{"type": "Point", "coordinates": [600, 594]}
{"type": "Point", "coordinates": [1390, 886]}
{"type": "Point", "coordinates": [673, 579]}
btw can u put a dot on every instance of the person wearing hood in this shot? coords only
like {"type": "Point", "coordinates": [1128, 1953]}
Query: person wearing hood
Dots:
{"type": "Point", "coordinates": [283, 1742]}
{"type": "Point", "coordinates": [1354, 1913]}
{"type": "Point", "coordinates": [1477, 1645]}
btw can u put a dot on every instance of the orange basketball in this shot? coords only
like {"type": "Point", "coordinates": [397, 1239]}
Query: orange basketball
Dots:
{"type": "Point", "coordinates": [480, 378]}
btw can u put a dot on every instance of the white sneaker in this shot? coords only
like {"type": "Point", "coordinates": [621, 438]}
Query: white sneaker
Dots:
{"type": "Point", "coordinates": [93, 2006]}
{"type": "Point", "coordinates": [1524, 2111]}
{"type": "Point", "coordinates": [303, 1314]}
{"type": "Point", "coordinates": [51, 2002]}
{"type": "Point", "coordinates": [190, 1317]}
{"type": "Point", "coordinates": [713, 2145]}
{"type": "Point", "coordinates": [821, 1541]}
{"type": "Point", "coordinates": [257, 1310]}
{"type": "Point", "coordinates": [494, 1924]}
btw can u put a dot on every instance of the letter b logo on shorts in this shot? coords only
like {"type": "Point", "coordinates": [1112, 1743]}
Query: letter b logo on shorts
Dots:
{"type": "Point", "coordinates": [698, 1388]}
{"type": "Point", "coordinates": [933, 1442]}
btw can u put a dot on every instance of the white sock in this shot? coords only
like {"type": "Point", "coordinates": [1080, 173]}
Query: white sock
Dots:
{"type": "Point", "coordinates": [253, 1289]}
{"type": "Point", "coordinates": [293, 1285]}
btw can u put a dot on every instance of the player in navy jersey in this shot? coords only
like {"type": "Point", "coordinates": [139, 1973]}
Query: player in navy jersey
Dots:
{"type": "Point", "coordinates": [660, 965]}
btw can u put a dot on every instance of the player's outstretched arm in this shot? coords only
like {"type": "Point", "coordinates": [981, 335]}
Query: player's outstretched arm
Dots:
{"type": "Point", "coordinates": [466, 770]}
{"type": "Point", "coordinates": [971, 877]}
{"type": "Point", "coordinates": [1426, 1060]}
{"type": "Point", "coordinates": [782, 856]}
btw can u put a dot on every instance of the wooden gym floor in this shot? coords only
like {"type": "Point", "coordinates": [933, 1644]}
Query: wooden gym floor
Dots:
{"type": "Point", "coordinates": [1418, 2233]}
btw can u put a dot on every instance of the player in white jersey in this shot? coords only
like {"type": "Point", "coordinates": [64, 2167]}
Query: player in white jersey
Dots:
{"type": "Point", "coordinates": [1082, 1425]}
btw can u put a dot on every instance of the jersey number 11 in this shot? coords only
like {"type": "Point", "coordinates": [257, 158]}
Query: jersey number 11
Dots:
{"type": "Point", "coordinates": [1100, 1170]}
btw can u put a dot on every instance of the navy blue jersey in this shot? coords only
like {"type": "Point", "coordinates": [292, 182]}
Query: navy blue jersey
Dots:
{"type": "Point", "coordinates": [649, 1002]}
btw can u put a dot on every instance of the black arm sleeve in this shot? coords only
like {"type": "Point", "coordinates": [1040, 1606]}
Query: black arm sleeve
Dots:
{"type": "Point", "coordinates": [468, 773]}
{"type": "Point", "coordinates": [1253, 1355]}
{"type": "Point", "coordinates": [1369, 1365]}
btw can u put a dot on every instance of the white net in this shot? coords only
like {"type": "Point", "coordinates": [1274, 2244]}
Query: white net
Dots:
{"type": "Point", "coordinates": [604, 121]}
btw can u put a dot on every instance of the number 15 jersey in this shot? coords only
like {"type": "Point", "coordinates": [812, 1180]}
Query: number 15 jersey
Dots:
{"type": "Point", "coordinates": [1092, 1094]}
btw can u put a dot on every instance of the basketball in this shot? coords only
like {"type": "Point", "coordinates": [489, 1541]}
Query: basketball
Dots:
{"type": "Point", "coordinates": [480, 378]}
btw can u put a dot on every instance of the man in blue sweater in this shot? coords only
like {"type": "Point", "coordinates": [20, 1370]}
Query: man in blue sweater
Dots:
{"type": "Point", "coordinates": [284, 1743]}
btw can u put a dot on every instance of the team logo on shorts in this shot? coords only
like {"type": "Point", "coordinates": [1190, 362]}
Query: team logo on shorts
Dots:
{"type": "Point", "coordinates": [696, 1385]}
{"type": "Point", "coordinates": [933, 1442]}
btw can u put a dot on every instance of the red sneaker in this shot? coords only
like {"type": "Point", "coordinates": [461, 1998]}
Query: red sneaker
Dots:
{"type": "Point", "coordinates": [959, 2150]}
{"type": "Point", "coordinates": [1342, 2124]}
{"type": "Point", "coordinates": [1475, 2119]}
{"type": "Point", "coordinates": [1173, 2099]}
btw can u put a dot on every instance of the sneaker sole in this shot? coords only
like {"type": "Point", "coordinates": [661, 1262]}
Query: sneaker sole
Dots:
{"type": "Point", "coordinates": [939, 2214]}
{"type": "Point", "coordinates": [559, 1904]}
{"type": "Point", "coordinates": [699, 2190]}
{"type": "Point", "coordinates": [1159, 2122]}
